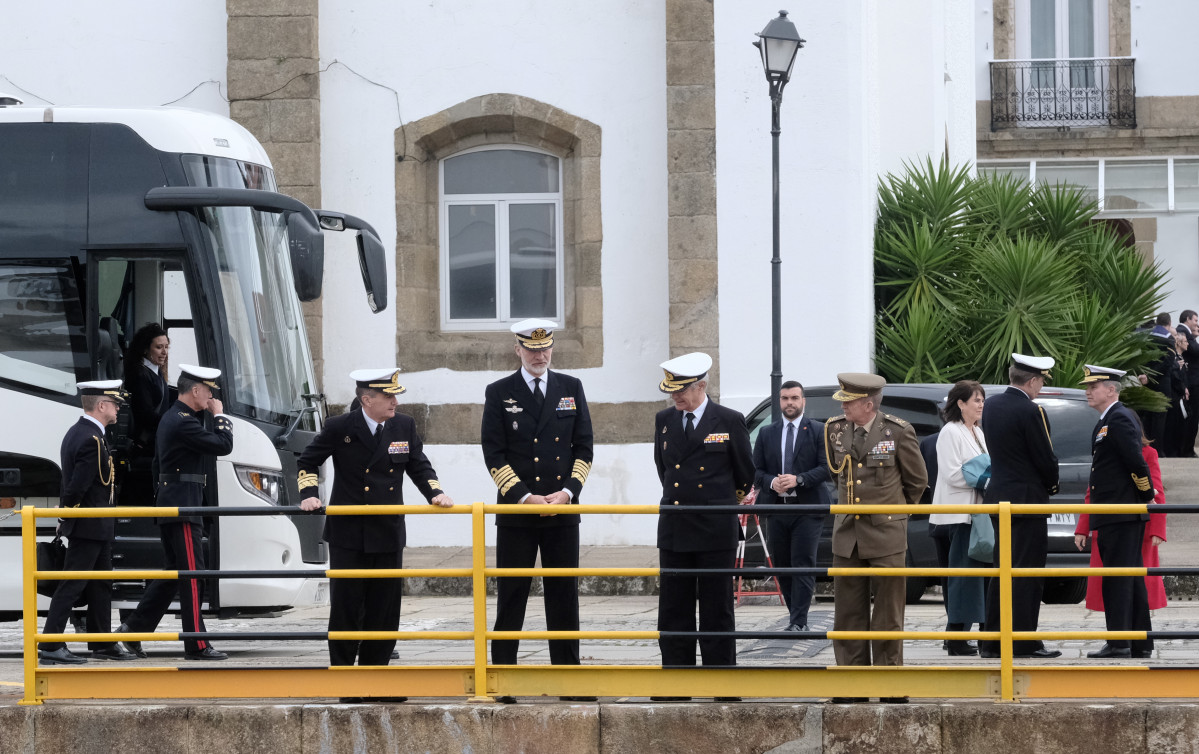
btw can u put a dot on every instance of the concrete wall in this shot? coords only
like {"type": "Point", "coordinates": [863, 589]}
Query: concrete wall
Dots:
{"type": "Point", "coordinates": [127, 53]}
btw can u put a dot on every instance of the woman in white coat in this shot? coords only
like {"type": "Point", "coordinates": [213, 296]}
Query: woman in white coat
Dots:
{"type": "Point", "coordinates": [961, 439]}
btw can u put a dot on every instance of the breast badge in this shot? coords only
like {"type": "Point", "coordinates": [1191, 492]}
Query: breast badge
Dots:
{"type": "Point", "coordinates": [398, 448]}
{"type": "Point", "coordinates": [514, 409]}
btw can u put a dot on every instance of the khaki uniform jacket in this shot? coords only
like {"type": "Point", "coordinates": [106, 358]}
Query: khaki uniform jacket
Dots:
{"type": "Point", "coordinates": [889, 472]}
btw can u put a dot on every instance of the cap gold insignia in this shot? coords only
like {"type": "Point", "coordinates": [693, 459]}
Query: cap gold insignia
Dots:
{"type": "Point", "coordinates": [391, 387]}
{"type": "Point", "coordinates": [538, 334]}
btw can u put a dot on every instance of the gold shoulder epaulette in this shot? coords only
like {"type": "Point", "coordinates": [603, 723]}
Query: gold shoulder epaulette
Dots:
{"type": "Point", "coordinates": [895, 419]}
{"type": "Point", "coordinates": [837, 418]}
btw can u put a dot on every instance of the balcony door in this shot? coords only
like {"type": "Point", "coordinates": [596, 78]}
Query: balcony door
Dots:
{"type": "Point", "coordinates": [1069, 36]}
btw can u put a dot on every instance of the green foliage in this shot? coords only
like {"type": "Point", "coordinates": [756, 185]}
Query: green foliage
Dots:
{"type": "Point", "coordinates": [969, 270]}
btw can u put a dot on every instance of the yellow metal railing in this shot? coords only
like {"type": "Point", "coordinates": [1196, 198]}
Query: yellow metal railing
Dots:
{"type": "Point", "coordinates": [482, 681]}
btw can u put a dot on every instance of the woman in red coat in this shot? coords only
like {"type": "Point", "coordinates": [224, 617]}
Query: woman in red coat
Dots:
{"type": "Point", "coordinates": [1155, 534]}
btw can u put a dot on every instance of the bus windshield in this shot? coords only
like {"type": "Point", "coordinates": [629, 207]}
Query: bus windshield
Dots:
{"type": "Point", "coordinates": [271, 367]}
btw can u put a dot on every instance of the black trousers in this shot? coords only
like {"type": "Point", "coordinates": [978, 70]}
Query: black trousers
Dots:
{"type": "Point", "coordinates": [793, 541]}
{"type": "Point", "coordinates": [83, 555]}
{"type": "Point", "coordinates": [183, 550]}
{"type": "Point", "coordinates": [1125, 600]}
{"type": "Point", "coordinates": [1191, 424]}
{"type": "Point", "coordinates": [1030, 547]}
{"type": "Point", "coordinates": [517, 547]}
{"type": "Point", "coordinates": [363, 605]}
{"type": "Point", "coordinates": [1154, 423]}
{"type": "Point", "coordinates": [677, 596]}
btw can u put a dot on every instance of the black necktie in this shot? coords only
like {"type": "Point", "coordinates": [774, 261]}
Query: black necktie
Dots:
{"type": "Point", "coordinates": [378, 431]}
{"type": "Point", "coordinates": [538, 396]}
{"type": "Point", "coordinates": [690, 425]}
{"type": "Point", "coordinates": [789, 449]}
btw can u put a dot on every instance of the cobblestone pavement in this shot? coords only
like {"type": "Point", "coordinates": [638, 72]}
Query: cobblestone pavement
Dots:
{"type": "Point", "coordinates": [610, 613]}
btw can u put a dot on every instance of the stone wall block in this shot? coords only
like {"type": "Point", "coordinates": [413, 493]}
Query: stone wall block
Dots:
{"type": "Point", "coordinates": [691, 194]}
{"type": "Point", "coordinates": [272, 37]}
{"type": "Point", "coordinates": [17, 726]}
{"type": "Point", "coordinates": [692, 237]}
{"type": "Point", "coordinates": [1119, 25]}
{"type": "Point", "coordinates": [1044, 728]}
{"type": "Point", "coordinates": [126, 729]}
{"type": "Point", "coordinates": [416, 269]}
{"type": "Point", "coordinates": [690, 107]}
{"type": "Point", "coordinates": [914, 729]}
{"type": "Point", "coordinates": [690, 151]}
{"type": "Point", "coordinates": [734, 729]}
{"type": "Point", "coordinates": [693, 280]}
{"type": "Point", "coordinates": [1003, 37]}
{"type": "Point", "coordinates": [271, 7]}
{"type": "Point", "coordinates": [294, 120]}
{"type": "Point", "coordinates": [589, 306]}
{"type": "Point", "coordinates": [620, 423]}
{"type": "Point", "coordinates": [587, 272]}
{"type": "Point", "coordinates": [590, 140]}
{"type": "Point", "coordinates": [310, 195]}
{"type": "Point", "coordinates": [252, 729]}
{"type": "Point", "coordinates": [254, 115]}
{"type": "Point", "coordinates": [411, 223]}
{"type": "Point", "coordinates": [690, 64]}
{"type": "Point", "coordinates": [1172, 729]}
{"type": "Point", "coordinates": [689, 20]}
{"type": "Point", "coordinates": [695, 326]}
{"type": "Point", "coordinates": [288, 78]}
{"type": "Point", "coordinates": [296, 163]}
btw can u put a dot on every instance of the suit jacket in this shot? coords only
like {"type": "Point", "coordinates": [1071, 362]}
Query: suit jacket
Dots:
{"type": "Point", "coordinates": [528, 453]}
{"type": "Point", "coordinates": [1169, 379]}
{"type": "Point", "coordinates": [807, 464]}
{"type": "Point", "coordinates": [1023, 465]}
{"type": "Point", "coordinates": [714, 466]}
{"type": "Point", "coordinates": [149, 398]}
{"type": "Point", "coordinates": [86, 480]}
{"type": "Point", "coordinates": [1119, 472]}
{"type": "Point", "coordinates": [1191, 356]}
{"type": "Point", "coordinates": [367, 470]}
{"type": "Point", "coordinates": [888, 471]}
{"type": "Point", "coordinates": [185, 446]}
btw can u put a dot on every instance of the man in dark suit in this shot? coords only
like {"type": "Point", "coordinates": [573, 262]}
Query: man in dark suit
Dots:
{"type": "Point", "coordinates": [1188, 325]}
{"type": "Point", "coordinates": [87, 482]}
{"type": "Point", "coordinates": [1119, 474]}
{"type": "Point", "coordinates": [537, 444]}
{"type": "Point", "coordinates": [1023, 470]}
{"type": "Point", "coordinates": [372, 448]}
{"type": "Point", "coordinates": [1166, 375]}
{"type": "Point", "coordinates": [184, 448]}
{"type": "Point", "coordinates": [790, 469]}
{"type": "Point", "coordinates": [702, 453]}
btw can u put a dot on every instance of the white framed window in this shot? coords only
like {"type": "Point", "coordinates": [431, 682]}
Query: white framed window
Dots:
{"type": "Point", "coordinates": [500, 215]}
{"type": "Point", "coordinates": [1060, 29]}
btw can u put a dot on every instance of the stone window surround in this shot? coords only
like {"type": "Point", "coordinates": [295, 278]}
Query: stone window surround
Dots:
{"type": "Point", "coordinates": [495, 119]}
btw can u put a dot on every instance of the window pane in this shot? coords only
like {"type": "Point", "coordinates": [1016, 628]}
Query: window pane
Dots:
{"type": "Point", "coordinates": [1082, 28]}
{"type": "Point", "coordinates": [501, 171]}
{"type": "Point", "coordinates": [472, 261]}
{"type": "Point", "coordinates": [1044, 28]}
{"type": "Point", "coordinates": [533, 260]}
{"type": "Point", "coordinates": [1019, 170]}
{"type": "Point", "coordinates": [43, 319]}
{"type": "Point", "coordinates": [1186, 184]}
{"type": "Point", "coordinates": [1134, 185]}
{"type": "Point", "coordinates": [1083, 175]}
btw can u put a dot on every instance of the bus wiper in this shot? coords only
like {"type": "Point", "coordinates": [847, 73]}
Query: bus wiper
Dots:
{"type": "Point", "coordinates": [284, 437]}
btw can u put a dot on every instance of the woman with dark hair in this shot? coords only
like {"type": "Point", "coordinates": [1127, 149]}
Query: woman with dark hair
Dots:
{"type": "Point", "coordinates": [150, 397]}
{"type": "Point", "coordinates": [960, 440]}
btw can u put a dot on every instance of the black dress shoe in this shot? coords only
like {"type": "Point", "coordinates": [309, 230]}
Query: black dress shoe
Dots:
{"type": "Point", "coordinates": [726, 698]}
{"type": "Point", "coordinates": [60, 656]}
{"type": "Point", "coordinates": [207, 653]}
{"type": "Point", "coordinates": [1041, 654]}
{"type": "Point", "coordinates": [506, 699]}
{"type": "Point", "coordinates": [988, 654]}
{"type": "Point", "coordinates": [350, 700]}
{"type": "Point", "coordinates": [577, 699]}
{"type": "Point", "coordinates": [1107, 650]}
{"type": "Point", "coordinates": [961, 649]}
{"type": "Point", "coordinates": [395, 654]}
{"type": "Point", "coordinates": [113, 653]}
{"type": "Point", "coordinates": [1142, 654]}
{"type": "Point", "coordinates": [893, 699]}
{"type": "Point", "coordinates": [848, 700]}
{"type": "Point", "coordinates": [670, 698]}
{"type": "Point", "coordinates": [131, 646]}
{"type": "Point", "coordinates": [388, 699]}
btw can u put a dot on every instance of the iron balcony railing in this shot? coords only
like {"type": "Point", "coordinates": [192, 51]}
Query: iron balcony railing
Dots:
{"type": "Point", "coordinates": [1057, 93]}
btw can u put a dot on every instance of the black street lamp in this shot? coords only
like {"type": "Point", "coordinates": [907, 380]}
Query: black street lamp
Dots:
{"type": "Point", "coordinates": [778, 43]}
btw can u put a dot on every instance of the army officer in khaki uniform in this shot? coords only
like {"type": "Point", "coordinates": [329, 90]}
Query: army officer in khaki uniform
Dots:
{"type": "Point", "coordinates": [876, 460]}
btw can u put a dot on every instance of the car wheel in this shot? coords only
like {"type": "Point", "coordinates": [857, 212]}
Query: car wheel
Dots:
{"type": "Point", "coordinates": [915, 585]}
{"type": "Point", "coordinates": [1064, 591]}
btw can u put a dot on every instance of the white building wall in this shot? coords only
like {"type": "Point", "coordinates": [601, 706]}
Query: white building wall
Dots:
{"type": "Point", "coordinates": [1177, 250]}
{"type": "Point", "coordinates": [1163, 42]}
{"type": "Point", "coordinates": [124, 53]}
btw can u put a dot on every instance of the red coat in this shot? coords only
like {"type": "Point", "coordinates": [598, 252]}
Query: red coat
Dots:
{"type": "Point", "coordinates": [1155, 527]}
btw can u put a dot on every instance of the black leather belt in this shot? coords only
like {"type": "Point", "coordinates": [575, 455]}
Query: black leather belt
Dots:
{"type": "Point", "coordinates": [193, 478]}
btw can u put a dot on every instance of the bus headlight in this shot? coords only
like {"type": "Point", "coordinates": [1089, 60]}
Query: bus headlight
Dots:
{"type": "Point", "coordinates": [263, 484]}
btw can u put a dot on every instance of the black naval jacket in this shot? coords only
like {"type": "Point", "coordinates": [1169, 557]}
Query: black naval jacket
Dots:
{"type": "Point", "coordinates": [86, 480]}
{"type": "Point", "coordinates": [367, 471]}
{"type": "Point", "coordinates": [183, 448]}
{"type": "Point", "coordinates": [713, 467]}
{"type": "Point", "coordinates": [1119, 473]}
{"type": "Point", "coordinates": [1023, 464]}
{"type": "Point", "coordinates": [529, 454]}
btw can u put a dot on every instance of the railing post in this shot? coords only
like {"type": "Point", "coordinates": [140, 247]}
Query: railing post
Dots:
{"type": "Point", "coordinates": [479, 590]}
{"type": "Point", "coordinates": [1006, 679]}
{"type": "Point", "coordinates": [29, 602]}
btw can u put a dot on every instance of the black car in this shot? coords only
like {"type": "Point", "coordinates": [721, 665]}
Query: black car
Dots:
{"type": "Point", "coordinates": [1071, 420]}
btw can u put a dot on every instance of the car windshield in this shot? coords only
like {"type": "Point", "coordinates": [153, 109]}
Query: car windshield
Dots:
{"type": "Point", "coordinates": [271, 366]}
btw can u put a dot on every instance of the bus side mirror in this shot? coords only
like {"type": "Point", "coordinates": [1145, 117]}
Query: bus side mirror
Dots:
{"type": "Point", "coordinates": [306, 245]}
{"type": "Point", "coordinates": [374, 269]}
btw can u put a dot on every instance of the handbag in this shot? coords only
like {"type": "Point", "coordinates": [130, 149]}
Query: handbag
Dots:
{"type": "Point", "coordinates": [982, 537]}
{"type": "Point", "coordinates": [977, 471]}
{"type": "Point", "coordinates": [51, 556]}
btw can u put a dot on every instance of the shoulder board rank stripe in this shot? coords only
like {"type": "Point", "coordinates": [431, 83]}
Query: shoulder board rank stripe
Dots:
{"type": "Point", "coordinates": [308, 479]}
{"type": "Point", "coordinates": [505, 478]}
{"type": "Point", "coordinates": [1141, 482]}
{"type": "Point", "coordinates": [580, 471]}
{"type": "Point", "coordinates": [1045, 423]}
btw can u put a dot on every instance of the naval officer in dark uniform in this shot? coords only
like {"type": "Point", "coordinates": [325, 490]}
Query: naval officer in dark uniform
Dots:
{"type": "Point", "coordinates": [537, 444]}
{"type": "Point", "coordinates": [1023, 470]}
{"type": "Point", "coordinates": [703, 456]}
{"type": "Point", "coordinates": [87, 482]}
{"type": "Point", "coordinates": [1119, 474]}
{"type": "Point", "coordinates": [184, 447]}
{"type": "Point", "coordinates": [372, 448]}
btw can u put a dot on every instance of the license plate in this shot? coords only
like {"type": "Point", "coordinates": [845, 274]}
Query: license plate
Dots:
{"type": "Point", "coordinates": [1062, 518]}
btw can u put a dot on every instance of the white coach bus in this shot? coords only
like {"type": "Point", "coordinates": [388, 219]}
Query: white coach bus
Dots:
{"type": "Point", "coordinates": [110, 219]}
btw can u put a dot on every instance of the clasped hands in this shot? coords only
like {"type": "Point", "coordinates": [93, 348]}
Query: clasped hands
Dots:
{"type": "Point", "coordinates": [554, 498]}
{"type": "Point", "coordinates": [784, 483]}
{"type": "Point", "coordinates": [314, 503]}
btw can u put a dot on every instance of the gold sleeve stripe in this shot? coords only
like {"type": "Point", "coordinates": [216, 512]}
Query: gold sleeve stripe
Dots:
{"type": "Point", "coordinates": [580, 471]}
{"type": "Point", "coordinates": [505, 478]}
{"type": "Point", "coordinates": [1045, 423]}
{"type": "Point", "coordinates": [434, 484]}
{"type": "Point", "coordinates": [308, 479]}
{"type": "Point", "coordinates": [1142, 482]}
